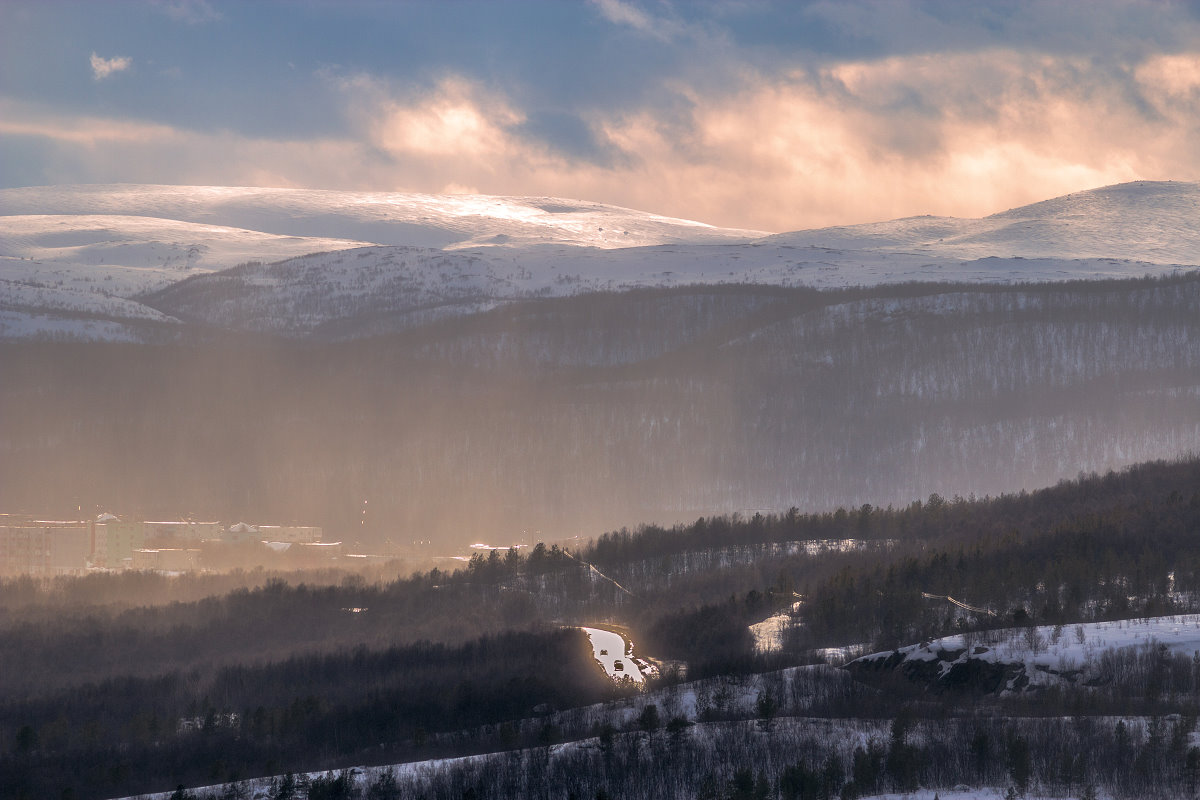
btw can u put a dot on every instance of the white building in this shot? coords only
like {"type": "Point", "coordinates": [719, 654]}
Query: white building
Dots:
{"type": "Point", "coordinates": [185, 530]}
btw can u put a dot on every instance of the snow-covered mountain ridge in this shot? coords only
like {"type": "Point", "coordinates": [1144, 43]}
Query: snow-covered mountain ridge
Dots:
{"type": "Point", "coordinates": [417, 220]}
{"type": "Point", "coordinates": [1149, 221]}
{"type": "Point", "coordinates": [99, 261]}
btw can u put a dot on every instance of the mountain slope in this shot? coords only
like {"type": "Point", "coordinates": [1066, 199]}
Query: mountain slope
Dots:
{"type": "Point", "coordinates": [129, 254]}
{"type": "Point", "coordinates": [1030, 658]}
{"type": "Point", "coordinates": [1147, 221]}
{"type": "Point", "coordinates": [368, 291]}
{"type": "Point", "coordinates": [379, 217]}
{"type": "Point", "coordinates": [585, 413]}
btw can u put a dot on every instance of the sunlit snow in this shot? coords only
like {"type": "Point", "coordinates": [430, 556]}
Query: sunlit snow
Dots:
{"type": "Point", "coordinates": [610, 649]}
{"type": "Point", "coordinates": [71, 250]}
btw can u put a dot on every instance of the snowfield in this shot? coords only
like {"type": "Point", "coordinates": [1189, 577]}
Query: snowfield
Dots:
{"type": "Point", "coordinates": [410, 258]}
{"type": "Point", "coordinates": [419, 220]}
{"type": "Point", "coordinates": [1150, 221]}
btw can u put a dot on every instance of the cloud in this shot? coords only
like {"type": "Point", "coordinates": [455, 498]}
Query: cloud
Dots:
{"type": "Point", "coordinates": [1169, 79]}
{"type": "Point", "coordinates": [621, 12]}
{"type": "Point", "coordinates": [17, 119]}
{"type": "Point", "coordinates": [455, 119]}
{"type": "Point", "coordinates": [96, 149]}
{"type": "Point", "coordinates": [855, 140]}
{"type": "Point", "coordinates": [964, 135]}
{"type": "Point", "coordinates": [956, 134]}
{"type": "Point", "coordinates": [192, 12]}
{"type": "Point", "coordinates": [104, 67]}
{"type": "Point", "coordinates": [571, 135]}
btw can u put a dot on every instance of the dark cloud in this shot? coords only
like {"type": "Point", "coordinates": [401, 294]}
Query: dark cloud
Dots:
{"type": "Point", "coordinates": [572, 137]}
{"type": "Point", "coordinates": [27, 161]}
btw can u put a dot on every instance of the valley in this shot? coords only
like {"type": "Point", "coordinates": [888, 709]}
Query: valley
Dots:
{"type": "Point", "coordinates": [599, 400]}
{"type": "Point", "coordinates": [798, 475]}
{"type": "Point", "coordinates": [1073, 670]}
{"type": "Point", "coordinates": [573, 416]}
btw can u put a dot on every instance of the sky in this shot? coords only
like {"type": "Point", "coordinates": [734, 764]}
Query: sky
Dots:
{"type": "Point", "coordinates": [770, 116]}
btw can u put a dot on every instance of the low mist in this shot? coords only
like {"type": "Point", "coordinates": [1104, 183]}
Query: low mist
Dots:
{"type": "Point", "coordinates": [569, 417]}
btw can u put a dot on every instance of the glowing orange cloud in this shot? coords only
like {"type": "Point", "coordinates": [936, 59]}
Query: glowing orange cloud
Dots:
{"type": "Point", "coordinates": [956, 134]}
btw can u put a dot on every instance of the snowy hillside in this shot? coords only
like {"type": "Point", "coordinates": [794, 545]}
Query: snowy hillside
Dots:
{"type": "Point", "coordinates": [69, 253]}
{"type": "Point", "coordinates": [404, 285]}
{"type": "Point", "coordinates": [391, 261]}
{"type": "Point", "coordinates": [60, 274]}
{"type": "Point", "coordinates": [419, 220]}
{"type": "Point", "coordinates": [1152, 222]}
{"type": "Point", "coordinates": [1021, 659]}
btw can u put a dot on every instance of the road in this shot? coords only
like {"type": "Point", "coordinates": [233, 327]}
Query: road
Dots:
{"type": "Point", "coordinates": [608, 648]}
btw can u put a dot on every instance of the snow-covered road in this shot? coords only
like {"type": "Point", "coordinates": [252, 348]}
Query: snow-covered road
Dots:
{"type": "Point", "coordinates": [610, 649]}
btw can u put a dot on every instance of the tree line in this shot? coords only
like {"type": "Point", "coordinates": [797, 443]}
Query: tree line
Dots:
{"type": "Point", "coordinates": [130, 735]}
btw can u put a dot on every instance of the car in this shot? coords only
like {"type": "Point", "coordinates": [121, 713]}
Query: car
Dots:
{"type": "Point", "coordinates": [603, 652]}
{"type": "Point", "coordinates": [618, 666]}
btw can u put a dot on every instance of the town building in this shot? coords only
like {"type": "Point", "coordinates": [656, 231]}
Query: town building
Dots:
{"type": "Point", "coordinates": [167, 559]}
{"type": "Point", "coordinates": [115, 539]}
{"type": "Point", "coordinates": [240, 533]}
{"type": "Point", "coordinates": [182, 531]}
{"type": "Point", "coordinates": [45, 547]}
{"type": "Point", "coordinates": [298, 534]}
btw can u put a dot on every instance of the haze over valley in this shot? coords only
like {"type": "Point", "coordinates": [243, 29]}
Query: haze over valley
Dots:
{"type": "Point", "coordinates": [606, 400]}
{"type": "Point", "coordinates": [555, 383]}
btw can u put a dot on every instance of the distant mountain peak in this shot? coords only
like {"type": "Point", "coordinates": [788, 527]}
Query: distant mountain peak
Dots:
{"type": "Point", "coordinates": [384, 218]}
{"type": "Point", "coordinates": [1152, 222]}
{"type": "Point", "coordinates": [109, 261]}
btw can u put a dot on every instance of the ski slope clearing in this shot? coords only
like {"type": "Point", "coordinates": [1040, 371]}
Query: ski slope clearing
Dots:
{"type": "Point", "coordinates": [1034, 656]}
{"type": "Point", "coordinates": [386, 262]}
{"type": "Point", "coordinates": [768, 634]}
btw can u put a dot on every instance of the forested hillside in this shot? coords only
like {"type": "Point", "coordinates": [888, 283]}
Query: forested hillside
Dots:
{"type": "Point", "coordinates": [581, 414]}
{"type": "Point", "coordinates": [104, 697]}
